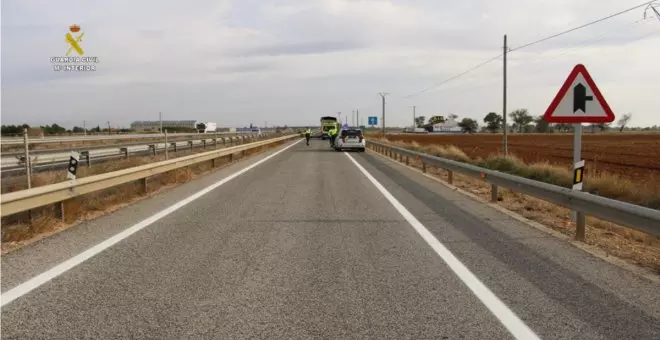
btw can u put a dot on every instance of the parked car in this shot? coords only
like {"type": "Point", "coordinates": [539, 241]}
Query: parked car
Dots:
{"type": "Point", "coordinates": [350, 139]}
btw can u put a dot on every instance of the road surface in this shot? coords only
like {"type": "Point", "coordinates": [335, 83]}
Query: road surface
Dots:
{"type": "Point", "coordinates": [308, 243]}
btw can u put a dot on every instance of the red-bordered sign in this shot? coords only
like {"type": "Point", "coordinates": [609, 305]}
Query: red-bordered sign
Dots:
{"type": "Point", "coordinates": [579, 101]}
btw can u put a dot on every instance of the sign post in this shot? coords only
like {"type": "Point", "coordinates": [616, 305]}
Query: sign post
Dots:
{"type": "Point", "coordinates": [578, 101]}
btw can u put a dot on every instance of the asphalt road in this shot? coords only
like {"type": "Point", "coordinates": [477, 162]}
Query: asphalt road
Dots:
{"type": "Point", "coordinates": [305, 245]}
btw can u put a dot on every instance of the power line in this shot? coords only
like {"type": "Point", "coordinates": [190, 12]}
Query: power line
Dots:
{"type": "Point", "coordinates": [454, 77]}
{"type": "Point", "coordinates": [646, 3]}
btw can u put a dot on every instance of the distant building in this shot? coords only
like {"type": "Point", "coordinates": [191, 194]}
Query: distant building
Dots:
{"type": "Point", "coordinates": [154, 125]}
{"type": "Point", "coordinates": [450, 125]}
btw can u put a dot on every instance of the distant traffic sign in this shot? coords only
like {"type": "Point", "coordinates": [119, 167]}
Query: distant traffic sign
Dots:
{"type": "Point", "coordinates": [373, 120]}
{"type": "Point", "coordinates": [579, 101]}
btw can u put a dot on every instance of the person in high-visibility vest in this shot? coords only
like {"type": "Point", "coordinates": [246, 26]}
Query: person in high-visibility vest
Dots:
{"type": "Point", "coordinates": [331, 135]}
{"type": "Point", "coordinates": [308, 134]}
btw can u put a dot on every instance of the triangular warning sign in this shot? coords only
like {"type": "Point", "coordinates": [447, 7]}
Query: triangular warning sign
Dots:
{"type": "Point", "coordinates": [579, 101]}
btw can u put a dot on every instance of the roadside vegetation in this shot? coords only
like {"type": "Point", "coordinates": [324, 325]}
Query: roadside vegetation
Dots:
{"type": "Point", "coordinates": [602, 183]}
{"type": "Point", "coordinates": [633, 246]}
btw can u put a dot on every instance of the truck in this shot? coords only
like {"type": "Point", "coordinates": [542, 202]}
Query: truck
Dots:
{"type": "Point", "coordinates": [207, 127]}
{"type": "Point", "coordinates": [327, 124]}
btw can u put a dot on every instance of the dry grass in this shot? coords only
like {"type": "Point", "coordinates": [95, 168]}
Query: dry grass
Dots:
{"type": "Point", "coordinates": [633, 246]}
{"type": "Point", "coordinates": [602, 183]}
{"type": "Point", "coordinates": [16, 232]}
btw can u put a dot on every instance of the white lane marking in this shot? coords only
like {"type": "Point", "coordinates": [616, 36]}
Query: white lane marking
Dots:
{"type": "Point", "coordinates": [506, 316]}
{"type": "Point", "coordinates": [63, 267]}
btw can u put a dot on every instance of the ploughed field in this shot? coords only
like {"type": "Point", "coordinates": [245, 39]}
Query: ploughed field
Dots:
{"type": "Point", "coordinates": [634, 156]}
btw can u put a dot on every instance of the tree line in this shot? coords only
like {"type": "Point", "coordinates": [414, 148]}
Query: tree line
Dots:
{"type": "Point", "coordinates": [53, 129]}
{"type": "Point", "coordinates": [522, 122]}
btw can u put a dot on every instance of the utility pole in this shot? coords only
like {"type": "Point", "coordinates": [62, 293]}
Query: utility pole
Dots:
{"type": "Point", "coordinates": [414, 121]}
{"type": "Point", "coordinates": [109, 131]}
{"type": "Point", "coordinates": [353, 117]}
{"type": "Point", "coordinates": [382, 95]}
{"type": "Point", "coordinates": [506, 146]}
{"type": "Point", "coordinates": [85, 127]}
{"type": "Point", "coordinates": [357, 118]}
{"type": "Point", "coordinates": [160, 117]}
{"type": "Point", "coordinates": [28, 161]}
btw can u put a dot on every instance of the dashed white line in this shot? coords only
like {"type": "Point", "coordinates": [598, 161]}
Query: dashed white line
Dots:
{"type": "Point", "coordinates": [63, 267]}
{"type": "Point", "coordinates": [506, 316]}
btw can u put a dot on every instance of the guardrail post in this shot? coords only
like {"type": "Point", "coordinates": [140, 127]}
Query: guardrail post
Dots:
{"type": "Point", "coordinates": [231, 157]}
{"type": "Point", "coordinates": [153, 149]}
{"type": "Point", "coordinates": [215, 143]}
{"type": "Point", "coordinates": [174, 145]}
{"type": "Point", "coordinates": [125, 151]}
{"type": "Point", "coordinates": [59, 210]}
{"type": "Point", "coordinates": [407, 160]}
{"type": "Point", "coordinates": [580, 225]}
{"type": "Point", "coordinates": [85, 154]}
{"type": "Point", "coordinates": [203, 143]}
{"type": "Point", "coordinates": [224, 141]}
{"type": "Point", "coordinates": [144, 184]}
{"type": "Point", "coordinates": [493, 193]}
{"type": "Point", "coordinates": [213, 163]}
{"type": "Point", "coordinates": [191, 144]}
{"type": "Point", "coordinates": [450, 177]}
{"type": "Point", "coordinates": [423, 166]}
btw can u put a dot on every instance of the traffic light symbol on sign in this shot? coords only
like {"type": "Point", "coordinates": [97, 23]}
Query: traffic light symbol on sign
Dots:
{"type": "Point", "coordinates": [74, 159]}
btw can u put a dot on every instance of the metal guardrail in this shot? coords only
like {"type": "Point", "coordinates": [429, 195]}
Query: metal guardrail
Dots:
{"type": "Point", "coordinates": [643, 219]}
{"type": "Point", "coordinates": [125, 145]}
{"type": "Point", "coordinates": [12, 140]}
{"type": "Point", "coordinates": [25, 200]}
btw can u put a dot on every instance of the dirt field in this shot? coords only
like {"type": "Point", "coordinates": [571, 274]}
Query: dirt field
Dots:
{"type": "Point", "coordinates": [634, 156]}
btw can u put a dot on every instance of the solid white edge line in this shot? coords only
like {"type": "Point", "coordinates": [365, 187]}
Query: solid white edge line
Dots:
{"type": "Point", "coordinates": [36, 281]}
{"type": "Point", "coordinates": [506, 316]}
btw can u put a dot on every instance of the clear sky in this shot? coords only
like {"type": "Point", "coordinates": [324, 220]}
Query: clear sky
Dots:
{"type": "Point", "coordinates": [291, 61]}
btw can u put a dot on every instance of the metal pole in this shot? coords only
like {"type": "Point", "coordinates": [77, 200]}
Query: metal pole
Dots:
{"type": "Point", "coordinates": [505, 127]}
{"type": "Point", "coordinates": [85, 127]}
{"type": "Point", "coordinates": [414, 122]}
{"type": "Point", "coordinates": [166, 146]}
{"type": "Point", "coordinates": [580, 220]}
{"type": "Point", "coordinates": [27, 158]}
{"type": "Point", "coordinates": [109, 131]}
{"type": "Point", "coordinates": [357, 118]}
{"type": "Point", "coordinates": [382, 95]}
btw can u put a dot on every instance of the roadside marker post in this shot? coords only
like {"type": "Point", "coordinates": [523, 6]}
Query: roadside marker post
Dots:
{"type": "Point", "coordinates": [74, 159]}
{"type": "Point", "coordinates": [578, 101]}
{"type": "Point", "coordinates": [578, 175]}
